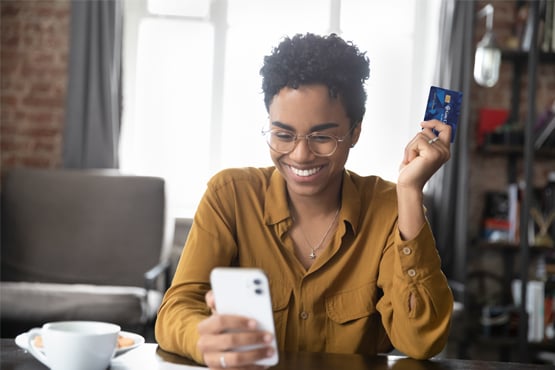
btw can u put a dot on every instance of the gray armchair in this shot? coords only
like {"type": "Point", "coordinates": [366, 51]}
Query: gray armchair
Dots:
{"type": "Point", "coordinates": [83, 245]}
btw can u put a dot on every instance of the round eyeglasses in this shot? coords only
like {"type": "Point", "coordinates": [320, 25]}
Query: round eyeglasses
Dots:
{"type": "Point", "coordinates": [284, 142]}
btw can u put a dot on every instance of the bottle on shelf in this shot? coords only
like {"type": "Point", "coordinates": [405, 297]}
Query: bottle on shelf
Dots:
{"type": "Point", "coordinates": [549, 199]}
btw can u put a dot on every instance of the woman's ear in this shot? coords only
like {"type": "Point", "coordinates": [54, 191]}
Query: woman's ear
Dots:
{"type": "Point", "coordinates": [356, 134]}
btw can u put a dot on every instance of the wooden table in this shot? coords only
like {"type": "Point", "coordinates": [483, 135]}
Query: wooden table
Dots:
{"type": "Point", "coordinates": [149, 356]}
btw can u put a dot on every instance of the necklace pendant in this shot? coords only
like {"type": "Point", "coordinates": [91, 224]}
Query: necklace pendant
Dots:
{"type": "Point", "coordinates": [312, 255]}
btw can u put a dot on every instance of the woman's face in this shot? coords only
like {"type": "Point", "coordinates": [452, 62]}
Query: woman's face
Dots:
{"type": "Point", "coordinates": [303, 111]}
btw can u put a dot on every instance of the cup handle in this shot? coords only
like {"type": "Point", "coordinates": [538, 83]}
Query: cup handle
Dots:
{"type": "Point", "coordinates": [33, 333]}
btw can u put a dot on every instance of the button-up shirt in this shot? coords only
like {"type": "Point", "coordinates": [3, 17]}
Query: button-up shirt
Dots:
{"type": "Point", "coordinates": [355, 296]}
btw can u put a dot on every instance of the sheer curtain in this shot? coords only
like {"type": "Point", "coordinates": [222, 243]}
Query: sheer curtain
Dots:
{"type": "Point", "coordinates": [192, 95]}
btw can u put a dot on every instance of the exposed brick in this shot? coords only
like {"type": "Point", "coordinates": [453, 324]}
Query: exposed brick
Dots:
{"type": "Point", "coordinates": [36, 161]}
{"type": "Point", "coordinates": [34, 38]}
{"type": "Point", "coordinates": [41, 132]}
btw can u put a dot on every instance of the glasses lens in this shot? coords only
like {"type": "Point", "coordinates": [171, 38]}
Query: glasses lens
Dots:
{"type": "Point", "coordinates": [284, 142]}
{"type": "Point", "coordinates": [280, 141]}
{"type": "Point", "coordinates": [322, 145]}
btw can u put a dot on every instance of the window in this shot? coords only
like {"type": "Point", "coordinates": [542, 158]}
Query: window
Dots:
{"type": "Point", "coordinates": [192, 91]}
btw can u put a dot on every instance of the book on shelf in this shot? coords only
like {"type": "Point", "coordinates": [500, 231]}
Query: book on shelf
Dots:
{"type": "Point", "coordinates": [553, 29]}
{"type": "Point", "coordinates": [527, 28]}
{"type": "Point", "coordinates": [535, 307]}
{"type": "Point", "coordinates": [546, 134]}
{"type": "Point", "coordinates": [514, 213]}
{"type": "Point", "coordinates": [524, 25]}
{"type": "Point", "coordinates": [549, 310]}
{"type": "Point", "coordinates": [495, 222]}
{"type": "Point", "coordinates": [549, 6]}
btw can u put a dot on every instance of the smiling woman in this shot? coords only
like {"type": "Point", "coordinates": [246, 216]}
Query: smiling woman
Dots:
{"type": "Point", "coordinates": [350, 259]}
{"type": "Point", "coordinates": [192, 89]}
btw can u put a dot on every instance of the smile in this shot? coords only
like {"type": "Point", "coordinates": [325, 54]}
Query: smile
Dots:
{"type": "Point", "coordinates": [305, 173]}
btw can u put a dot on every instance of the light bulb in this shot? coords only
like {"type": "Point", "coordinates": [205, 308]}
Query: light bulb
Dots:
{"type": "Point", "coordinates": [487, 61]}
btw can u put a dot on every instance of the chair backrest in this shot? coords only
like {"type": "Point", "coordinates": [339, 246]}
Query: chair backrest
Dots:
{"type": "Point", "coordinates": [80, 226]}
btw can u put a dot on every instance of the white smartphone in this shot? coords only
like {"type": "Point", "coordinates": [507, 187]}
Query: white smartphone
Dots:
{"type": "Point", "coordinates": [246, 292]}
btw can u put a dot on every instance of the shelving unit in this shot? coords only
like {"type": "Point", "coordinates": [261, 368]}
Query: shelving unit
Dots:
{"type": "Point", "coordinates": [523, 62]}
{"type": "Point", "coordinates": [528, 175]}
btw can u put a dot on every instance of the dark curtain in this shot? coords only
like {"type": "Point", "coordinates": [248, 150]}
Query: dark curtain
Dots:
{"type": "Point", "coordinates": [93, 106]}
{"type": "Point", "coordinates": [448, 189]}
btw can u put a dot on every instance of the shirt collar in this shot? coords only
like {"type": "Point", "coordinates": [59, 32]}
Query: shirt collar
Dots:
{"type": "Point", "coordinates": [276, 208]}
{"type": "Point", "coordinates": [350, 201]}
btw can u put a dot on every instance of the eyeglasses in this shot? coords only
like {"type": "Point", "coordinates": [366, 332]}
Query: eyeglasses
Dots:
{"type": "Point", "coordinates": [319, 144]}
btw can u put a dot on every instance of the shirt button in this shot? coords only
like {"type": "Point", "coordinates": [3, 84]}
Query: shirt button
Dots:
{"type": "Point", "coordinates": [411, 273]}
{"type": "Point", "coordinates": [407, 251]}
{"type": "Point", "coordinates": [304, 315]}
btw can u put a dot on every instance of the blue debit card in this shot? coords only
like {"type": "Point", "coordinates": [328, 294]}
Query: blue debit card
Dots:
{"type": "Point", "coordinates": [445, 106]}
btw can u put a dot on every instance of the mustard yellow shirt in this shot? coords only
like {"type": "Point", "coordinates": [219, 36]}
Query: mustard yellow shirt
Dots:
{"type": "Point", "coordinates": [353, 299]}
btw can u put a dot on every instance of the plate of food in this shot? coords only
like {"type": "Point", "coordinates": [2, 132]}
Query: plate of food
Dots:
{"type": "Point", "coordinates": [126, 342]}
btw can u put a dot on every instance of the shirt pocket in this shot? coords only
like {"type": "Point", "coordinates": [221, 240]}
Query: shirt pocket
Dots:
{"type": "Point", "coordinates": [352, 304]}
{"type": "Point", "coordinates": [353, 324]}
{"type": "Point", "coordinates": [281, 297]}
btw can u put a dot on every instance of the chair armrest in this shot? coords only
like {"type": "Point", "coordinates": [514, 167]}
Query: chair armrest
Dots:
{"type": "Point", "coordinates": [152, 275]}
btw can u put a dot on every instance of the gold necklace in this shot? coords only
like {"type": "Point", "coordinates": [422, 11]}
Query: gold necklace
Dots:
{"type": "Point", "coordinates": [312, 254]}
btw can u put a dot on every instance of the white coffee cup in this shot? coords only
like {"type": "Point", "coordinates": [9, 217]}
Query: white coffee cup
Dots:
{"type": "Point", "coordinates": [71, 345]}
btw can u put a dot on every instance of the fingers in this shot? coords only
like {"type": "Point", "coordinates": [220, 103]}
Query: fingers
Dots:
{"type": "Point", "coordinates": [217, 324]}
{"type": "Point", "coordinates": [238, 359]}
{"type": "Point", "coordinates": [225, 332]}
{"type": "Point", "coordinates": [235, 339]}
{"type": "Point", "coordinates": [428, 144]}
{"type": "Point", "coordinates": [443, 131]}
{"type": "Point", "coordinates": [425, 154]}
{"type": "Point", "coordinates": [210, 301]}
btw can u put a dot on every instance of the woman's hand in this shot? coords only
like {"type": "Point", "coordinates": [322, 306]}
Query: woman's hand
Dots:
{"type": "Point", "coordinates": [219, 335]}
{"type": "Point", "coordinates": [425, 154]}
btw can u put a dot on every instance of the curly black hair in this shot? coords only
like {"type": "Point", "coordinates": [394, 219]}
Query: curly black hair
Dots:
{"type": "Point", "coordinates": [313, 59]}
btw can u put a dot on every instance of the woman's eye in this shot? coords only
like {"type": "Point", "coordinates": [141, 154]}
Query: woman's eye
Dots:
{"type": "Point", "coordinates": [320, 138]}
{"type": "Point", "coordinates": [284, 136]}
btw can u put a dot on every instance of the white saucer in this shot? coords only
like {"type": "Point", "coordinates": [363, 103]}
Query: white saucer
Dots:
{"type": "Point", "coordinates": [22, 339]}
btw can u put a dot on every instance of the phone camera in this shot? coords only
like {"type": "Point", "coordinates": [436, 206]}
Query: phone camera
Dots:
{"type": "Point", "coordinates": [259, 291]}
{"type": "Point", "coordinates": [257, 282]}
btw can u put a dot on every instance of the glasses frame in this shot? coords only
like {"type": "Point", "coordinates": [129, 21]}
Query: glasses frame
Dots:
{"type": "Point", "coordinates": [296, 138]}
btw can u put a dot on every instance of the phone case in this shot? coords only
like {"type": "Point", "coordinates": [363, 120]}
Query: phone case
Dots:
{"type": "Point", "coordinates": [245, 292]}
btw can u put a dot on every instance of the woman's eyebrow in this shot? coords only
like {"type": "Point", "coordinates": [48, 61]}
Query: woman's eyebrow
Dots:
{"type": "Point", "coordinates": [319, 127]}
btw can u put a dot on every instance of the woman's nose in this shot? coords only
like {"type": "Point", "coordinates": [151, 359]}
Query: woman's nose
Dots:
{"type": "Point", "coordinates": [301, 151]}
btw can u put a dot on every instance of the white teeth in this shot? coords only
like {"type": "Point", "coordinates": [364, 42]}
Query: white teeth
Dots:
{"type": "Point", "coordinates": [305, 173]}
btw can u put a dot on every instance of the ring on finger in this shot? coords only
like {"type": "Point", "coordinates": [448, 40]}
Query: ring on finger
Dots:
{"type": "Point", "coordinates": [222, 362]}
{"type": "Point", "coordinates": [431, 141]}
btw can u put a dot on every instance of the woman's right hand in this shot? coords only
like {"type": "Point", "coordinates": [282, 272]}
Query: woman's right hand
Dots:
{"type": "Point", "coordinates": [219, 335]}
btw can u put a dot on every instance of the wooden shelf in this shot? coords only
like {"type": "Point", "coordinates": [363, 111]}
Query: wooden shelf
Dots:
{"type": "Point", "coordinates": [522, 56]}
{"type": "Point", "coordinates": [512, 341]}
{"type": "Point", "coordinates": [496, 149]}
{"type": "Point", "coordinates": [512, 247]}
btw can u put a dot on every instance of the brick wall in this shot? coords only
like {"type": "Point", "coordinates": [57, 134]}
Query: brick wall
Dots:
{"type": "Point", "coordinates": [33, 78]}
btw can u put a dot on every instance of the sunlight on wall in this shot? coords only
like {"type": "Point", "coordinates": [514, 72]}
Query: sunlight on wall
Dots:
{"type": "Point", "coordinates": [192, 92]}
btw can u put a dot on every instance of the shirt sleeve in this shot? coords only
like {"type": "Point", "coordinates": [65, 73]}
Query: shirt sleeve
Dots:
{"type": "Point", "coordinates": [210, 243]}
{"type": "Point", "coordinates": [408, 268]}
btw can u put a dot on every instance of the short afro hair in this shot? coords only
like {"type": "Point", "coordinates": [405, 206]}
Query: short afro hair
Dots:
{"type": "Point", "coordinates": [313, 59]}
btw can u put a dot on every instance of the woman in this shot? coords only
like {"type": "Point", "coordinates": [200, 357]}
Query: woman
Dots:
{"type": "Point", "coordinates": [351, 260]}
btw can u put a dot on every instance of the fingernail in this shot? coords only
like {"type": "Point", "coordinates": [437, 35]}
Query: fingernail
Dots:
{"type": "Point", "coordinates": [268, 338]}
{"type": "Point", "coordinates": [252, 324]}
